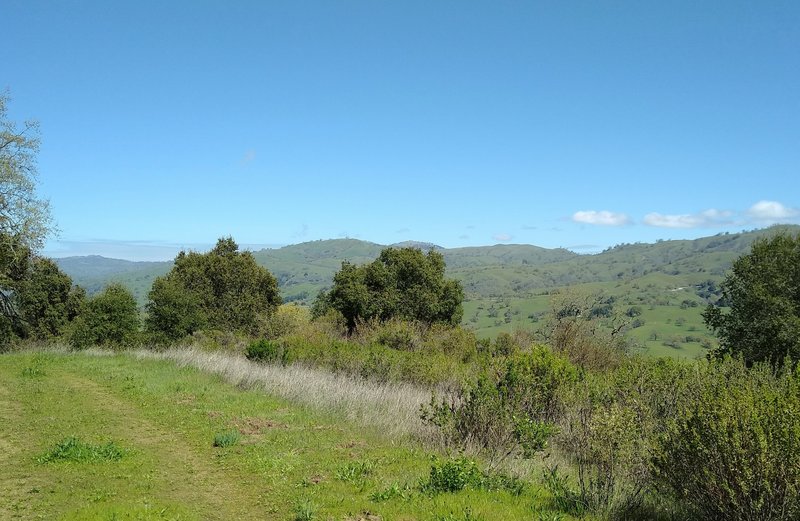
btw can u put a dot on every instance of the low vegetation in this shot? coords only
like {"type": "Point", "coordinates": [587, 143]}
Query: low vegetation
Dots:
{"type": "Point", "coordinates": [562, 421]}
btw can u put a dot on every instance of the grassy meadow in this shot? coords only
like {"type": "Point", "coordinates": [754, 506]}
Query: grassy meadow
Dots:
{"type": "Point", "coordinates": [114, 436]}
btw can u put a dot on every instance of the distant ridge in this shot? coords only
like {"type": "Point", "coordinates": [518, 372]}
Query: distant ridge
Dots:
{"type": "Point", "coordinates": [424, 246]}
{"type": "Point", "coordinates": [505, 270]}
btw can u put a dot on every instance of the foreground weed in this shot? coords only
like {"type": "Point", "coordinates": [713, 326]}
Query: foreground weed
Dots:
{"type": "Point", "coordinates": [565, 498]}
{"type": "Point", "coordinates": [305, 510]}
{"type": "Point", "coordinates": [458, 474]}
{"type": "Point", "coordinates": [355, 471]}
{"type": "Point", "coordinates": [227, 438]}
{"type": "Point", "coordinates": [393, 491]}
{"type": "Point", "coordinates": [36, 369]}
{"type": "Point", "coordinates": [75, 450]}
{"type": "Point", "coordinates": [467, 515]}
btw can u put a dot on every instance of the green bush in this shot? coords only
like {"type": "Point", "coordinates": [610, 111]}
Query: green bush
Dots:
{"type": "Point", "coordinates": [507, 413]}
{"type": "Point", "coordinates": [453, 475]}
{"type": "Point", "coordinates": [110, 319]}
{"type": "Point", "coordinates": [266, 351]}
{"type": "Point", "coordinates": [733, 453]}
{"type": "Point", "coordinates": [609, 429]}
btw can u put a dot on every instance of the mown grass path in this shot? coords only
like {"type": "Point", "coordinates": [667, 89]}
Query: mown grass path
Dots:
{"type": "Point", "coordinates": [291, 462]}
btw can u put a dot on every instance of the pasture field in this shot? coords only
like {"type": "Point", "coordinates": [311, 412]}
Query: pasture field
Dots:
{"type": "Point", "coordinates": [119, 437]}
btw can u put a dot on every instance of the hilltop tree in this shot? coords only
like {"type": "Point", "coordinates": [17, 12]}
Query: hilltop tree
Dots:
{"type": "Point", "coordinates": [401, 283]}
{"type": "Point", "coordinates": [763, 289]}
{"type": "Point", "coordinates": [223, 289]}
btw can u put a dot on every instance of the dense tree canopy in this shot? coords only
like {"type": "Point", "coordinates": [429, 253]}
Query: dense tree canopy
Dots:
{"type": "Point", "coordinates": [110, 318]}
{"type": "Point", "coordinates": [401, 283]}
{"type": "Point", "coordinates": [223, 289]}
{"type": "Point", "coordinates": [763, 289]}
{"type": "Point", "coordinates": [39, 299]}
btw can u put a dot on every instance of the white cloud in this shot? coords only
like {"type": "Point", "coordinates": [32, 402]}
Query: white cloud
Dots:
{"type": "Point", "coordinates": [502, 237]}
{"type": "Point", "coordinates": [771, 211]}
{"type": "Point", "coordinates": [602, 218]}
{"type": "Point", "coordinates": [704, 219]}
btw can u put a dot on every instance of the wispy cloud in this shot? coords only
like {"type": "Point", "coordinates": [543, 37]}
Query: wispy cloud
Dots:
{"type": "Point", "coordinates": [463, 237]}
{"type": "Point", "coordinates": [529, 227]}
{"type": "Point", "coordinates": [601, 218]}
{"type": "Point", "coordinates": [771, 211]}
{"type": "Point", "coordinates": [705, 219]}
{"type": "Point", "coordinates": [402, 230]}
{"type": "Point", "coordinates": [302, 232]}
{"type": "Point", "coordinates": [502, 237]}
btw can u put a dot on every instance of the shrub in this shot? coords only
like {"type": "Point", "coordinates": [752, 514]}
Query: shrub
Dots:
{"type": "Point", "coordinates": [610, 426]}
{"type": "Point", "coordinates": [509, 413]}
{"type": "Point", "coordinates": [733, 453]}
{"type": "Point", "coordinates": [452, 476]}
{"type": "Point", "coordinates": [267, 351]}
{"type": "Point", "coordinates": [109, 319]}
{"type": "Point", "coordinates": [287, 319]}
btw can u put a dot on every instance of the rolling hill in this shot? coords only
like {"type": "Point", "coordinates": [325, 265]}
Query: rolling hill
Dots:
{"type": "Point", "coordinates": [507, 286]}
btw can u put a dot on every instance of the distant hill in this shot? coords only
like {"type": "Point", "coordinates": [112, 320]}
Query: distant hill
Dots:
{"type": "Point", "coordinates": [511, 270]}
{"type": "Point", "coordinates": [94, 272]}
{"type": "Point", "coordinates": [507, 285]}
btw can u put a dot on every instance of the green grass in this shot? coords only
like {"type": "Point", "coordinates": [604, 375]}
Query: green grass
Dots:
{"type": "Point", "coordinates": [291, 461]}
{"type": "Point", "coordinates": [78, 451]}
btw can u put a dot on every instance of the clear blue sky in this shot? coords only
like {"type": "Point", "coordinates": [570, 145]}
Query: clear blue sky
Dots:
{"type": "Point", "coordinates": [574, 124]}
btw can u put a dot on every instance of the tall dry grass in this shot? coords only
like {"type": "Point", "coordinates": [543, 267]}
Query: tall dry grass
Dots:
{"type": "Point", "coordinates": [392, 408]}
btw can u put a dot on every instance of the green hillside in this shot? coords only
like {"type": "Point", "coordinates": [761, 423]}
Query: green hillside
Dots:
{"type": "Point", "coordinates": [508, 286]}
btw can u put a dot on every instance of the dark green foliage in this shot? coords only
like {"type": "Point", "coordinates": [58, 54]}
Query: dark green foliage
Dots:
{"type": "Point", "coordinates": [47, 300]}
{"type": "Point", "coordinates": [223, 289]}
{"type": "Point", "coordinates": [733, 453]}
{"type": "Point", "coordinates": [401, 283]}
{"type": "Point", "coordinates": [763, 290]}
{"type": "Point", "coordinates": [266, 351]}
{"type": "Point", "coordinates": [109, 319]}
{"type": "Point", "coordinates": [75, 450]}
{"type": "Point", "coordinates": [38, 300]}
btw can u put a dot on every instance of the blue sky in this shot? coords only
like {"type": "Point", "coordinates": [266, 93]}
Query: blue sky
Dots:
{"type": "Point", "coordinates": [560, 124]}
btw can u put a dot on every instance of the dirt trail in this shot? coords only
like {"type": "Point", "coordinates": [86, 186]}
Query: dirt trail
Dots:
{"type": "Point", "coordinates": [183, 475]}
